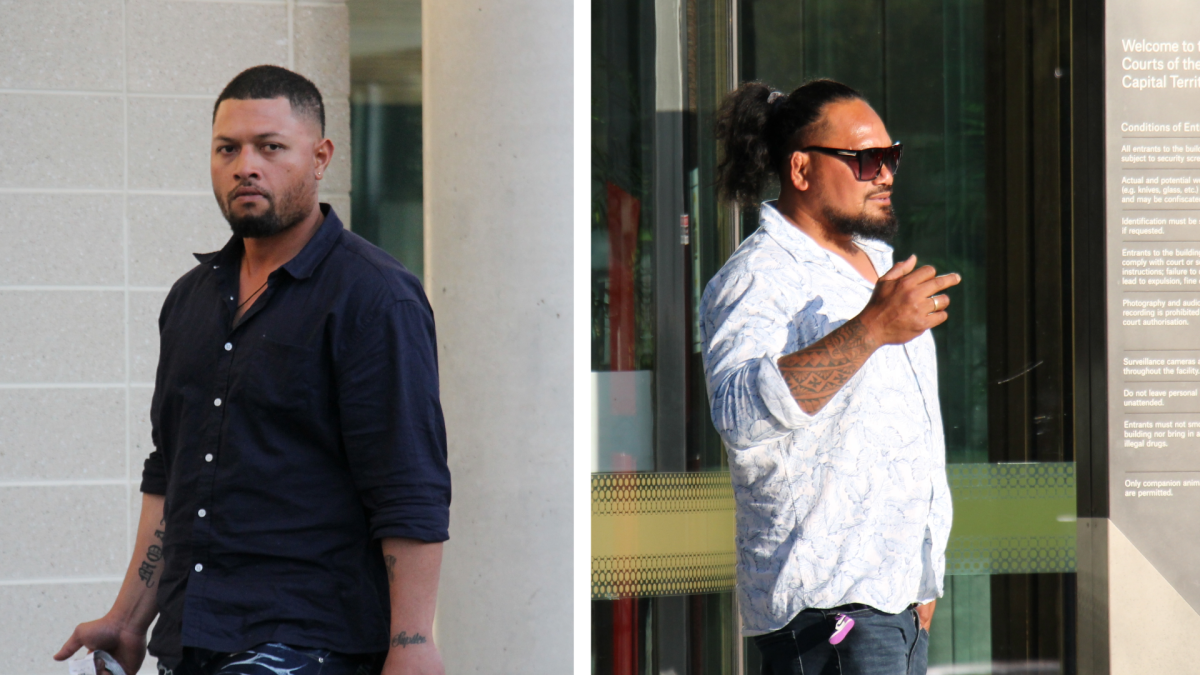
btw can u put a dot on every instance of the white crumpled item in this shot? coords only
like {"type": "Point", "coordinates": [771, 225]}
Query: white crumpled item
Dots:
{"type": "Point", "coordinates": [86, 664]}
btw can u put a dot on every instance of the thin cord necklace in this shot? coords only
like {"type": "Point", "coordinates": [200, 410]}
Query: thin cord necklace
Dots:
{"type": "Point", "coordinates": [239, 307]}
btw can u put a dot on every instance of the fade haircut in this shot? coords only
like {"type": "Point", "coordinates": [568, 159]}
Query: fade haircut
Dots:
{"type": "Point", "coordinates": [266, 82]}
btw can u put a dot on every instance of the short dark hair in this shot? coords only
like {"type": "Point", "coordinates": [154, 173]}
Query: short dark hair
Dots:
{"type": "Point", "coordinates": [261, 82]}
{"type": "Point", "coordinates": [758, 131]}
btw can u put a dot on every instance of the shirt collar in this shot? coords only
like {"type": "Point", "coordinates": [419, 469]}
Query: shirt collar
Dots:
{"type": "Point", "coordinates": [800, 245]}
{"type": "Point", "coordinates": [303, 264]}
{"type": "Point", "coordinates": [805, 249]}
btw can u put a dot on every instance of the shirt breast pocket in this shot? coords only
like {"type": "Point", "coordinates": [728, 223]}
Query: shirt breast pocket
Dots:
{"type": "Point", "coordinates": [283, 377]}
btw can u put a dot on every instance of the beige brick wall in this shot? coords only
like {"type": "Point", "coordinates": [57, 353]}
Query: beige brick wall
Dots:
{"type": "Point", "coordinates": [104, 193]}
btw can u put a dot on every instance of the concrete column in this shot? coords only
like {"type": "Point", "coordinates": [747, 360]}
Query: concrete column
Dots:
{"type": "Point", "coordinates": [105, 120]}
{"type": "Point", "coordinates": [498, 237]}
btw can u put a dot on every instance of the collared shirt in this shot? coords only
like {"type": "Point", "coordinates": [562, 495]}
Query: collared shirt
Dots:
{"type": "Point", "coordinates": [848, 505]}
{"type": "Point", "coordinates": [288, 444]}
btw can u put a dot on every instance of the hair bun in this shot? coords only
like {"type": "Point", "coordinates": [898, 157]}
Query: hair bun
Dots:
{"type": "Point", "coordinates": [758, 127]}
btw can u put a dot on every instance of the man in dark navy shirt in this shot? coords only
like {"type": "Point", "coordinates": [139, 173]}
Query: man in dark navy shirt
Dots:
{"type": "Point", "coordinates": [297, 497]}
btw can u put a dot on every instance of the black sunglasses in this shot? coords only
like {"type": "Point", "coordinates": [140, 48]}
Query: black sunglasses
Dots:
{"type": "Point", "coordinates": [869, 162]}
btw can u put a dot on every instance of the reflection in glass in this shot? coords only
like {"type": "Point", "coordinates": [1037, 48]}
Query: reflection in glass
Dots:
{"type": "Point", "coordinates": [622, 637]}
{"type": "Point", "coordinates": [659, 69]}
{"type": "Point", "coordinates": [634, 636]}
{"type": "Point", "coordinates": [385, 125]}
{"type": "Point", "coordinates": [715, 226]}
{"type": "Point", "coordinates": [622, 236]}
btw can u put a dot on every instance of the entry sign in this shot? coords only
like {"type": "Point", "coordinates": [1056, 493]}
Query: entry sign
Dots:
{"type": "Point", "coordinates": [1153, 243]}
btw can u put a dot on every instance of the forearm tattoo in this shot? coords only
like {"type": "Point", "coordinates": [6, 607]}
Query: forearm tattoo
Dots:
{"type": "Point", "coordinates": [817, 372]}
{"type": "Point", "coordinates": [154, 554]}
{"type": "Point", "coordinates": [403, 639]}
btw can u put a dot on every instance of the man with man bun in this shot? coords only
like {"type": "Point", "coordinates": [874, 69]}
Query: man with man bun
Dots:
{"type": "Point", "coordinates": [822, 376]}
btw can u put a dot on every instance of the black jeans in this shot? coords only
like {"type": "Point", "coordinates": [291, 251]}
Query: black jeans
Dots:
{"type": "Point", "coordinates": [275, 659]}
{"type": "Point", "coordinates": [879, 644]}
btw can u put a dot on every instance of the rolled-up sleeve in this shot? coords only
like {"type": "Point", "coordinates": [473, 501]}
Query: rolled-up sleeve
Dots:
{"type": "Point", "coordinates": [744, 333]}
{"type": "Point", "coordinates": [392, 425]}
{"type": "Point", "coordinates": [778, 397]}
{"type": "Point", "coordinates": [154, 475]}
{"type": "Point", "coordinates": [154, 469]}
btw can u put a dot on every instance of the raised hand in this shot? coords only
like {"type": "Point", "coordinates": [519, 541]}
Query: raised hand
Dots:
{"type": "Point", "coordinates": [907, 302]}
{"type": "Point", "coordinates": [904, 305]}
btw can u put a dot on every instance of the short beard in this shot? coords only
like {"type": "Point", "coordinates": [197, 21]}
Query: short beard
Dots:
{"type": "Point", "coordinates": [289, 212]}
{"type": "Point", "coordinates": [882, 228]}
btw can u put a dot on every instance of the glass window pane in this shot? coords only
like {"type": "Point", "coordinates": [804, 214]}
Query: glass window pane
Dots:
{"type": "Point", "coordinates": [622, 637]}
{"type": "Point", "coordinates": [623, 347]}
{"type": "Point", "coordinates": [385, 125]}
{"type": "Point", "coordinates": [659, 70]}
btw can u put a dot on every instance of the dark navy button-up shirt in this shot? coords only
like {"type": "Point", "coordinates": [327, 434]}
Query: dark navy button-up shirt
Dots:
{"type": "Point", "coordinates": [288, 444]}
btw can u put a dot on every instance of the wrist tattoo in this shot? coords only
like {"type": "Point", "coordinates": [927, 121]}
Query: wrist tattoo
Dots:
{"type": "Point", "coordinates": [814, 374]}
{"type": "Point", "coordinates": [390, 561]}
{"type": "Point", "coordinates": [403, 639]}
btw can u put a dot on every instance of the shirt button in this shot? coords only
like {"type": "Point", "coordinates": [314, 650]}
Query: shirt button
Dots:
{"type": "Point", "coordinates": [208, 457]}
{"type": "Point", "coordinates": [199, 567]}
{"type": "Point", "coordinates": [217, 403]}
{"type": "Point", "coordinates": [203, 513]}
{"type": "Point", "coordinates": [228, 346]}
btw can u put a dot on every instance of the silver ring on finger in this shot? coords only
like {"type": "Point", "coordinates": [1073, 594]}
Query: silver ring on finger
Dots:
{"type": "Point", "coordinates": [935, 303]}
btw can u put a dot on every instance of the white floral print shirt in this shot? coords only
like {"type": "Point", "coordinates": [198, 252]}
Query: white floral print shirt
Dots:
{"type": "Point", "coordinates": [851, 504]}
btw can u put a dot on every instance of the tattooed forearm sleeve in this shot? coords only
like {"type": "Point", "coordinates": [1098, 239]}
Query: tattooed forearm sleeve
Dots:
{"type": "Point", "coordinates": [815, 373]}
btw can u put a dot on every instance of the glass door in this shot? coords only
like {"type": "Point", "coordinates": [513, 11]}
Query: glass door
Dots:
{"type": "Point", "coordinates": [385, 126]}
{"type": "Point", "coordinates": [663, 556]}
{"type": "Point", "coordinates": [978, 91]}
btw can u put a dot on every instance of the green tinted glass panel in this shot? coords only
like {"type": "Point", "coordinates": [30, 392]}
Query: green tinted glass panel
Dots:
{"type": "Point", "coordinates": [1012, 518]}
{"type": "Point", "coordinates": [385, 125]}
{"type": "Point", "coordinates": [920, 65]}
